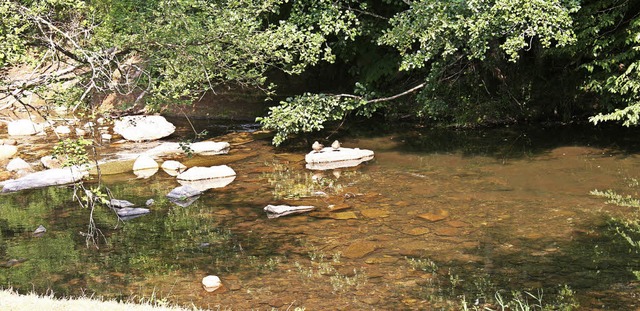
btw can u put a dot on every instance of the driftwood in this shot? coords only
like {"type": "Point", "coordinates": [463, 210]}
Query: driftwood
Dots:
{"type": "Point", "coordinates": [275, 211]}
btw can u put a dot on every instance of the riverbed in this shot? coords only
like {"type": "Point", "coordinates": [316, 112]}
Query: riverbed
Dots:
{"type": "Point", "coordinates": [439, 218]}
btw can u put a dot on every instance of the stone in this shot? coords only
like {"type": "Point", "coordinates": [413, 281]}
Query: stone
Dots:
{"type": "Point", "coordinates": [40, 231]}
{"type": "Point", "coordinates": [344, 215]}
{"type": "Point", "coordinates": [144, 162]}
{"type": "Point", "coordinates": [12, 142]}
{"type": "Point", "coordinates": [433, 217]}
{"type": "Point", "coordinates": [50, 162]}
{"type": "Point", "coordinates": [145, 173]}
{"type": "Point", "coordinates": [203, 178]}
{"type": "Point", "coordinates": [120, 203]}
{"type": "Point", "coordinates": [446, 231]}
{"type": "Point", "coordinates": [359, 249]}
{"type": "Point", "coordinates": [62, 130]}
{"type": "Point", "coordinates": [375, 213]}
{"type": "Point", "coordinates": [23, 127]}
{"type": "Point", "coordinates": [18, 164]}
{"type": "Point", "coordinates": [7, 151]}
{"type": "Point", "coordinates": [131, 212]}
{"type": "Point", "coordinates": [329, 158]}
{"type": "Point", "coordinates": [106, 137]}
{"type": "Point", "coordinates": [50, 177]}
{"type": "Point", "coordinates": [183, 192]}
{"type": "Point", "coordinates": [417, 231]}
{"type": "Point", "coordinates": [113, 167]}
{"type": "Point", "coordinates": [80, 132]}
{"type": "Point", "coordinates": [141, 128]}
{"type": "Point", "coordinates": [173, 168]}
{"type": "Point", "coordinates": [209, 148]}
{"type": "Point", "coordinates": [150, 202]}
{"type": "Point", "coordinates": [211, 282]}
{"type": "Point", "coordinates": [275, 211]}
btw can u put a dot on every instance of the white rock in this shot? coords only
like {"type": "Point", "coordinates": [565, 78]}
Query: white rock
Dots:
{"type": "Point", "coordinates": [211, 282]}
{"type": "Point", "coordinates": [23, 127]}
{"type": "Point", "coordinates": [173, 168]}
{"type": "Point", "coordinates": [199, 173]}
{"type": "Point", "coordinates": [7, 151]}
{"type": "Point", "coordinates": [106, 137]}
{"type": "Point", "coordinates": [139, 128]}
{"type": "Point", "coordinates": [146, 173]}
{"type": "Point", "coordinates": [62, 129]}
{"type": "Point", "coordinates": [203, 178]}
{"type": "Point", "coordinates": [52, 177]}
{"type": "Point", "coordinates": [210, 147]}
{"type": "Point", "coordinates": [80, 132]}
{"type": "Point", "coordinates": [275, 211]}
{"type": "Point", "coordinates": [145, 162]}
{"type": "Point", "coordinates": [328, 158]}
{"type": "Point", "coordinates": [18, 164]}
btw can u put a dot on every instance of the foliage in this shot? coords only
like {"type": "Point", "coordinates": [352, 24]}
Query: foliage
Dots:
{"type": "Point", "coordinates": [72, 151]}
{"type": "Point", "coordinates": [627, 228]}
{"type": "Point", "coordinates": [609, 35]}
{"type": "Point", "coordinates": [166, 51]}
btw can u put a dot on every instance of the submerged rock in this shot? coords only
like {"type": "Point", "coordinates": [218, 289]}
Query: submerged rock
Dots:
{"type": "Point", "coordinates": [200, 148]}
{"type": "Point", "coordinates": [183, 192]}
{"type": "Point", "coordinates": [131, 212]}
{"type": "Point", "coordinates": [120, 203]}
{"type": "Point", "coordinates": [275, 211]}
{"type": "Point", "coordinates": [330, 158]}
{"type": "Point", "coordinates": [50, 177]}
{"type": "Point", "coordinates": [40, 231]}
{"type": "Point", "coordinates": [140, 128]}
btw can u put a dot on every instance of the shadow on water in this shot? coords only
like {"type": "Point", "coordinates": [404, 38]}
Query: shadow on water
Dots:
{"type": "Point", "coordinates": [506, 142]}
{"type": "Point", "coordinates": [595, 260]}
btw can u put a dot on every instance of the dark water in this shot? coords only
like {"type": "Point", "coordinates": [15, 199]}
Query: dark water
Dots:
{"type": "Point", "coordinates": [438, 217]}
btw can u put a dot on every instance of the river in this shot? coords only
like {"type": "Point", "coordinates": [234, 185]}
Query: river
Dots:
{"type": "Point", "coordinates": [440, 217]}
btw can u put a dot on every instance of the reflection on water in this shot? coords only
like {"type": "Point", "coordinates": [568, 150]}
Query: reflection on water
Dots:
{"type": "Point", "coordinates": [437, 215]}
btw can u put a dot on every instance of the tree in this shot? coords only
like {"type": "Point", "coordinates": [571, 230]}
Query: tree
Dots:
{"type": "Point", "coordinates": [442, 42]}
{"type": "Point", "coordinates": [163, 51]}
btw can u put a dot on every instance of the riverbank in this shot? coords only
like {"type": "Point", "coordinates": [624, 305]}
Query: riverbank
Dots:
{"type": "Point", "coordinates": [12, 301]}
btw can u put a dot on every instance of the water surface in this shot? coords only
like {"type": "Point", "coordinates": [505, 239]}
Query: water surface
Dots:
{"type": "Point", "coordinates": [437, 217]}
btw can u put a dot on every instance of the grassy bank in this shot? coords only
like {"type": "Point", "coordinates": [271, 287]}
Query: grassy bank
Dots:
{"type": "Point", "coordinates": [12, 301]}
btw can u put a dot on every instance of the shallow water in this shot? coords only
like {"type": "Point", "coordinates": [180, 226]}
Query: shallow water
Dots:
{"type": "Point", "coordinates": [437, 217]}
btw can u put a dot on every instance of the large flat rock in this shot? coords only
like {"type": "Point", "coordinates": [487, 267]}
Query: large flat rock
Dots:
{"type": "Point", "coordinates": [329, 158]}
{"type": "Point", "coordinates": [203, 178]}
{"type": "Point", "coordinates": [140, 128]}
{"type": "Point", "coordinates": [46, 178]}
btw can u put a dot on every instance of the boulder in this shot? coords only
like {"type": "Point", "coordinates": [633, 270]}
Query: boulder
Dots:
{"type": "Point", "coordinates": [173, 168]}
{"type": "Point", "coordinates": [210, 147]}
{"type": "Point", "coordinates": [275, 211]}
{"type": "Point", "coordinates": [212, 172]}
{"type": "Point", "coordinates": [183, 192]}
{"type": "Point", "coordinates": [50, 177]}
{"type": "Point", "coordinates": [203, 178]}
{"type": "Point", "coordinates": [18, 164]}
{"type": "Point", "coordinates": [62, 130]}
{"type": "Point", "coordinates": [7, 151]}
{"type": "Point", "coordinates": [140, 128]}
{"type": "Point", "coordinates": [50, 162]}
{"type": "Point", "coordinates": [23, 127]}
{"type": "Point", "coordinates": [199, 148]}
{"type": "Point", "coordinates": [144, 162]}
{"type": "Point", "coordinates": [131, 212]}
{"type": "Point", "coordinates": [145, 173]}
{"type": "Point", "coordinates": [115, 203]}
{"type": "Point", "coordinates": [330, 158]}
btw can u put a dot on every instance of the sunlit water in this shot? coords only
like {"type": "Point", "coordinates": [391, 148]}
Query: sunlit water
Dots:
{"type": "Point", "coordinates": [436, 218]}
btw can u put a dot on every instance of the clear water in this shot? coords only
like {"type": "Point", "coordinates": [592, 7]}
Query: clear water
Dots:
{"type": "Point", "coordinates": [438, 215]}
